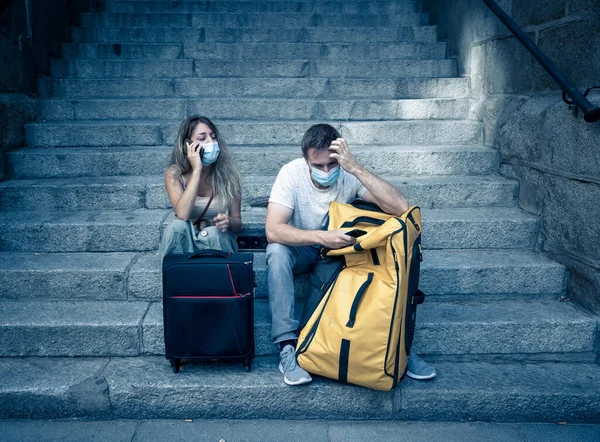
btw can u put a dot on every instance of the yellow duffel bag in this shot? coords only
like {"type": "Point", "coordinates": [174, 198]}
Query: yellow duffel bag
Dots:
{"type": "Point", "coordinates": [361, 330]}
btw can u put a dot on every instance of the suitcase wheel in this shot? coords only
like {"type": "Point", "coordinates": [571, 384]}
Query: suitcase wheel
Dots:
{"type": "Point", "coordinates": [175, 364]}
{"type": "Point", "coordinates": [247, 364]}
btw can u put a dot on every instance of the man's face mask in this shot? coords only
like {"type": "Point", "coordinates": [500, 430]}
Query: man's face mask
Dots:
{"type": "Point", "coordinates": [211, 153]}
{"type": "Point", "coordinates": [325, 178]}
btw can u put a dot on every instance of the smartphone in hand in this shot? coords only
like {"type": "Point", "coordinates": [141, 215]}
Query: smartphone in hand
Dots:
{"type": "Point", "coordinates": [355, 233]}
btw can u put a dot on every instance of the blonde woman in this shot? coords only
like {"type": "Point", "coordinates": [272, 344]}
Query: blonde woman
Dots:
{"type": "Point", "coordinates": [204, 187]}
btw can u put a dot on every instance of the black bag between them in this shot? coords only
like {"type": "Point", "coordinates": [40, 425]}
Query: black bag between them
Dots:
{"type": "Point", "coordinates": [208, 306]}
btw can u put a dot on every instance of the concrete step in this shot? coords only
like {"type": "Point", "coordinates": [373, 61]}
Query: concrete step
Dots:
{"type": "Point", "coordinates": [147, 69]}
{"type": "Point", "coordinates": [445, 275]}
{"type": "Point", "coordinates": [146, 388]}
{"type": "Point", "coordinates": [139, 230]}
{"type": "Point", "coordinates": [238, 35]}
{"type": "Point", "coordinates": [331, 7]}
{"type": "Point", "coordinates": [259, 133]}
{"type": "Point", "coordinates": [118, 51]}
{"type": "Point", "coordinates": [95, 231]}
{"type": "Point", "coordinates": [121, 328]}
{"type": "Point", "coordinates": [256, 109]}
{"type": "Point", "coordinates": [138, 192]}
{"type": "Point", "coordinates": [445, 328]}
{"type": "Point", "coordinates": [139, 160]}
{"type": "Point", "coordinates": [143, 69]}
{"type": "Point", "coordinates": [249, 19]}
{"type": "Point", "coordinates": [255, 51]}
{"type": "Point", "coordinates": [405, 88]}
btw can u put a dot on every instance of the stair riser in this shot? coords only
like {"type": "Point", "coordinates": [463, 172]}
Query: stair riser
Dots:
{"type": "Point", "coordinates": [146, 388]}
{"type": "Point", "coordinates": [114, 236]}
{"type": "Point", "coordinates": [152, 195]}
{"type": "Point", "coordinates": [60, 163]}
{"type": "Point", "coordinates": [260, 88]}
{"type": "Point", "coordinates": [119, 51]}
{"type": "Point", "coordinates": [273, 109]}
{"type": "Point", "coordinates": [239, 35]}
{"type": "Point", "coordinates": [134, 276]}
{"type": "Point", "coordinates": [243, 133]}
{"type": "Point", "coordinates": [433, 336]}
{"type": "Point", "coordinates": [362, 7]}
{"type": "Point", "coordinates": [267, 20]}
{"type": "Point", "coordinates": [144, 69]}
{"type": "Point", "coordinates": [227, 51]}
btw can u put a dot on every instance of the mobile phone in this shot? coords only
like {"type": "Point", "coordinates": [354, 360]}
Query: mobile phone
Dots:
{"type": "Point", "coordinates": [355, 233]}
{"type": "Point", "coordinates": [187, 140]}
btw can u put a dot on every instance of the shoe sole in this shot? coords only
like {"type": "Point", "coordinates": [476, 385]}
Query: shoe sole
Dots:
{"type": "Point", "coordinates": [288, 382]}
{"type": "Point", "coordinates": [420, 377]}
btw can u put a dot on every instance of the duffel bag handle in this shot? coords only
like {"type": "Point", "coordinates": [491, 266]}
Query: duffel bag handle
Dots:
{"type": "Point", "coordinates": [366, 205]}
{"type": "Point", "coordinates": [363, 219]}
{"type": "Point", "coordinates": [211, 252]}
{"type": "Point", "coordinates": [357, 298]}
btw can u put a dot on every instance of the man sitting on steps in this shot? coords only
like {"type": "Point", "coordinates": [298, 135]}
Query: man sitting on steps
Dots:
{"type": "Point", "coordinates": [295, 229]}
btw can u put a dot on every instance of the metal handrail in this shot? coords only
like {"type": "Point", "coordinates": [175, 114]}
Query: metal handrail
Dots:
{"type": "Point", "coordinates": [591, 113]}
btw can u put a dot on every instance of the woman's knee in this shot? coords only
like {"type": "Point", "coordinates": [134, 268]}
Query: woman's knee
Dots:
{"type": "Point", "coordinates": [178, 227]}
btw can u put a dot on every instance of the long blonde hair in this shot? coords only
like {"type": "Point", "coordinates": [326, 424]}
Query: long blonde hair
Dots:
{"type": "Point", "coordinates": [225, 177]}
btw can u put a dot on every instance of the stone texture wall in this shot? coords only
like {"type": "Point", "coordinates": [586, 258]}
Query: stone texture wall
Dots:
{"type": "Point", "coordinates": [553, 153]}
{"type": "Point", "coordinates": [25, 55]}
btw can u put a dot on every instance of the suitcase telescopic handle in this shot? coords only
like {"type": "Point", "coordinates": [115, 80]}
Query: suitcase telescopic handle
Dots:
{"type": "Point", "coordinates": [204, 253]}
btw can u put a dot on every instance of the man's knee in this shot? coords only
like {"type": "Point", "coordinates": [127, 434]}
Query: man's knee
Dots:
{"type": "Point", "coordinates": [279, 255]}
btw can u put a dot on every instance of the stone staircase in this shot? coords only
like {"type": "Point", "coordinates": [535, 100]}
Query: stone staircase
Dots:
{"type": "Point", "coordinates": [83, 207]}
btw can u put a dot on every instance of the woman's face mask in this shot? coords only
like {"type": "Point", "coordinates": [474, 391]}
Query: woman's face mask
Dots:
{"type": "Point", "coordinates": [325, 178]}
{"type": "Point", "coordinates": [211, 153]}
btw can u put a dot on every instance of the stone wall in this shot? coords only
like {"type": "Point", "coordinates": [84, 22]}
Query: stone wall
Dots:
{"type": "Point", "coordinates": [25, 53]}
{"type": "Point", "coordinates": [553, 153]}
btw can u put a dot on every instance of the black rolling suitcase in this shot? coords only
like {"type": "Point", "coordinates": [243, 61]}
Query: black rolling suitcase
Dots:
{"type": "Point", "coordinates": [208, 306]}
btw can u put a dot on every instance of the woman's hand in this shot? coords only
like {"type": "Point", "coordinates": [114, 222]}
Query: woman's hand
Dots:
{"type": "Point", "coordinates": [193, 154]}
{"type": "Point", "coordinates": [222, 222]}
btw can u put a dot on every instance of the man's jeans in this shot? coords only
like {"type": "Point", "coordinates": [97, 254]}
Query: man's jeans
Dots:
{"type": "Point", "coordinates": [283, 262]}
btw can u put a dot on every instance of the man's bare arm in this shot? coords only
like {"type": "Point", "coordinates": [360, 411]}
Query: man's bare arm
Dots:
{"type": "Point", "coordinates": [382, 193]}
{"type": "Point", "coordinates": [379, 191]}
{"type": "Point", "coordinates": [279, 231]}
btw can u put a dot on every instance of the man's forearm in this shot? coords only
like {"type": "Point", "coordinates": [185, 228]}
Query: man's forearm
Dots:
{"type": "Point", "coordinates": [390, 199]}
{"type": "Point", "coordinates": [291, 236]}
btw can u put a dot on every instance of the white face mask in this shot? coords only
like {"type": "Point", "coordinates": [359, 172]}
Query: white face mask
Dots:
{"type": "Point", "coordinates": [211, 153]}
{"type": "Point", "coordinates": [325, 178]}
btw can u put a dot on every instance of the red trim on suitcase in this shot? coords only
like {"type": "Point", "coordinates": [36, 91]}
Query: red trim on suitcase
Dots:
{"type": "Point", "coordinates": [231, 279]}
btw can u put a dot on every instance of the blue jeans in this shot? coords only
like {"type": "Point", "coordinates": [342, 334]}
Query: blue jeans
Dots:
{"type": "Point", "coordinates": [283, 262]}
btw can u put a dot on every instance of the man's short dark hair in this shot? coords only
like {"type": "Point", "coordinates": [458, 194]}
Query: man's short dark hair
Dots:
{"type": "Point", "coordinates": [318, 137]}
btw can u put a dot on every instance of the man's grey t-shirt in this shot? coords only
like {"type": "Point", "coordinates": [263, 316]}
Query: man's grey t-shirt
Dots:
{"type": "Point", "coordinates": [295, 190]}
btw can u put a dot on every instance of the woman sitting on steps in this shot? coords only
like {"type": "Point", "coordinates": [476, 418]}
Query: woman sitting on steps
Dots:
{"type": "Point", "coordinates": [204, 187]}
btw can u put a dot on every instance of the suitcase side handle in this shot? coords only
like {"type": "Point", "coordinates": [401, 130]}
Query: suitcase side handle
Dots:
{"type": "Point", "coordinates": [211, 252]}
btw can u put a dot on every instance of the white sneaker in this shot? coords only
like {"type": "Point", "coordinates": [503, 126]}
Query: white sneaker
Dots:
{"type": "Point", "coordinates": [418, 369]}
{"type": "Point", "coordinates": [293, 374]}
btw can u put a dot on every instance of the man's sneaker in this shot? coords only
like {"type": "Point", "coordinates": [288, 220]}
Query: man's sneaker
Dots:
{"type": "Point", "coordinates": [293, 374]}
{"type": "Point", "coordinates": [418, 368]}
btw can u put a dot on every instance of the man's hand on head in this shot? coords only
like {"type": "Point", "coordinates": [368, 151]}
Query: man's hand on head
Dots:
{"type": "Point", "coordinates": [335, 239]}
{"type": "Point", "coordinates": [341, 153]}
